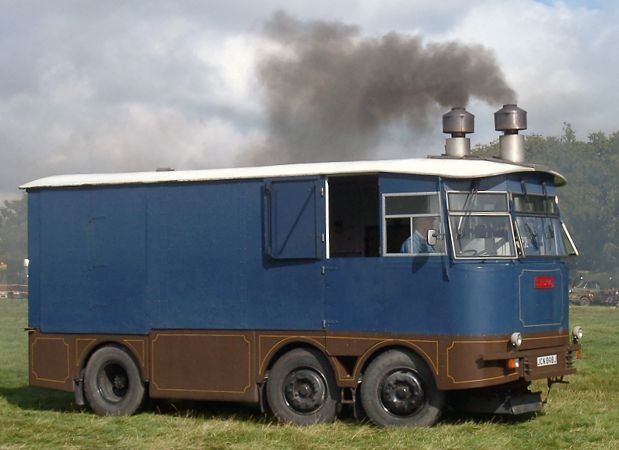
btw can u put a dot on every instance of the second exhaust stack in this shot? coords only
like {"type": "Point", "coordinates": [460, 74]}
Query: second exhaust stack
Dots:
{"type": "Point", "coordinates": [510, 119]}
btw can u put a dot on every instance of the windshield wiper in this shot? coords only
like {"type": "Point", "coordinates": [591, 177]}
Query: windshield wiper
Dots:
{"type": "Point", "coordinates": [467, 201]}
{"type": "Point", "coordinates": [532, 235]}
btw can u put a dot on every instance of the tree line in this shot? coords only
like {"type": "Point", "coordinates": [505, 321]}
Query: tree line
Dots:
{"type": "Point", "coordinates": [589, 202]}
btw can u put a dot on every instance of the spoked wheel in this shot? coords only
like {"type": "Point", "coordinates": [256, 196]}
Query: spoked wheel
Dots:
{"type": "Point", "coordinates": [398, 389]}
{"type": "Point", "coordinates": [112, 383]}
{"type": "Point", "coordinates": [301, 389]}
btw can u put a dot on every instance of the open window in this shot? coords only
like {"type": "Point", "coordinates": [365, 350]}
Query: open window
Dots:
{"type": "Point", "coordinates": [353, 216]}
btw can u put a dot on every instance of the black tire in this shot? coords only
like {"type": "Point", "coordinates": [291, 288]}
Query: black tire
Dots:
{"type": "Point", "coordinates": [398, 389]}
{"type": "Point", "coordinates": [301, 389]}
{"type": "Point", "coordinates": [585, 301]}
{"type": "Point", "coordinates": [112, 383]}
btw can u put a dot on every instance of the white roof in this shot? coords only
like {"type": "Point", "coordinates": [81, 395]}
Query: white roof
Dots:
{"type": "Point", "coordinates": [444, 167]}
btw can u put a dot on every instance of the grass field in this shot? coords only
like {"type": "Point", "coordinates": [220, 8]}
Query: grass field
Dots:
{"type": "Point", "coordinates": [582, 414]}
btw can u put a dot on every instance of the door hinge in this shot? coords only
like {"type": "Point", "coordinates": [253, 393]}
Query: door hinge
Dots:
{"type": "Point", "coordinates": [326, 323]}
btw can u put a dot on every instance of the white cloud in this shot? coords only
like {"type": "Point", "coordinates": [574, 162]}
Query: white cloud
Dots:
{"type": "Point", "coordinates": [114, 86]}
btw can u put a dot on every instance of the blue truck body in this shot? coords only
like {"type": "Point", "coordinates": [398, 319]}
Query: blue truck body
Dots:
{"type": "Point", "coordinates": [129, 259]}
{"type": "Point", "coordinates": [203, 285]}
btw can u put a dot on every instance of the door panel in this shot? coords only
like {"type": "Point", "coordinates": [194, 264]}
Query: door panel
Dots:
{"type": "Point", "coordinates": [294, 218]}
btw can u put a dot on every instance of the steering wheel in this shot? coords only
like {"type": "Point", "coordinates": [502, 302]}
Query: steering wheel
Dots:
{"type": "Point", "coordinates": [469, 251]}
{"type": "Point", "coordinates": [473, 252]}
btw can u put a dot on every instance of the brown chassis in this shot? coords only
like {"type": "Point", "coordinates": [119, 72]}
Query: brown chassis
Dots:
{"type": "Point", "coordinates": [231, 365]}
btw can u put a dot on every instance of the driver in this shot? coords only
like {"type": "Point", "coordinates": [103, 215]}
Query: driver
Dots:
{"type": "Point", "coordinates": [418, 241]}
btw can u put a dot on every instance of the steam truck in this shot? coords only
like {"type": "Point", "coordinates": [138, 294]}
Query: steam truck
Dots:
{"type": "Point", "coordinates": [303, 287]}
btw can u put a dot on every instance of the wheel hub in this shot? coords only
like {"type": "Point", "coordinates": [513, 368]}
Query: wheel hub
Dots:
{"type": "Point", "coordinates": [304, 390]}
{"type": "Point", "coordinates": [401, 393]}
{"type": "Point", "coordinates": [119, 382]}
{"type": "Point", "coordinates": [113, 383]}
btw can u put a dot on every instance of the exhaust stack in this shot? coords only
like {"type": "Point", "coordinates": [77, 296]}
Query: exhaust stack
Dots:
{"type": "Point", "coordinates": [458, 122]}
{"type": "Point", "coordinates": [510, 119]}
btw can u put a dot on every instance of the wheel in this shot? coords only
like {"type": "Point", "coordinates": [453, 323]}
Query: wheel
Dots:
{"type": "Point", "coordinates": [112, 383]}
{"type": "Point", "coordinates": [584, 301]}
{"type": "Point", "coordinates": [301, 388]}
{"type": "Point", "coordinates": [398, 389]}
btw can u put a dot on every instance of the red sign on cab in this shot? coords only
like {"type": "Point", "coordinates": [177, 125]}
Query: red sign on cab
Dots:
{"type": "Point", "coordinates": [544, 282]}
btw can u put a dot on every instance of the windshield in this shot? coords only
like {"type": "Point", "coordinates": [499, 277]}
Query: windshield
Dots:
{"type": "Point", "coordinates": [543, 236]}
{"type": "Point", "coordinates": [539, 227]}
{"type": "Point", "coordinates": [480, 225]}
{"type": "Point", "coordinates": [535, 204]}
{"type": "Point", "coordinates": [483, 236]}
{"type": "Point", "coordinates": [474, 201]}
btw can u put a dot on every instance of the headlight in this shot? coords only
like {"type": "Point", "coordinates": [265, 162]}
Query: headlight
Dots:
{"type": "Point", "coordinates": [516, 339]}
{"type": "Point", "coordinates": [577, 333]}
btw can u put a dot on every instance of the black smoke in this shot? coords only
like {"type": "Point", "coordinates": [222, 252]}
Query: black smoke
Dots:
{"type": "Point", "coordinates": [330, 92]}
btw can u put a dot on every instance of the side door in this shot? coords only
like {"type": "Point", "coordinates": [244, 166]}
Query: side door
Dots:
{"type": "Point", "coordinates": [353, 273]}
{"type": "Point", "coordinates": [294, 247]}
{"type": "Point", "coordinates": [294, 218]}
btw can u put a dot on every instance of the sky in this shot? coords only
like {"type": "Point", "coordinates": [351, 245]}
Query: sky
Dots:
{"type": "Point", "coordinates": [117, 86]}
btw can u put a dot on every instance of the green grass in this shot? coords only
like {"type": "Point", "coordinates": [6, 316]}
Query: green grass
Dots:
{"type": "Point", "coordinates": [582, 414]}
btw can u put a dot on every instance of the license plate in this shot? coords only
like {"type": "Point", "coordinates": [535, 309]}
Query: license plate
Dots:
{"type": "Point", "coordinates": [548, 360]}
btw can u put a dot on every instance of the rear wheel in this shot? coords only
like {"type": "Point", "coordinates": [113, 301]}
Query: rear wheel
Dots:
{"type": "Point", "coordinates": [112, 383]}
{"type": "Point", "coordinates": [301, 388]}
{"type": "Point", "coordinates": [398, 389]}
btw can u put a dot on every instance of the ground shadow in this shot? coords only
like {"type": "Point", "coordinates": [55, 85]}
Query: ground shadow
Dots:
{"type": "Point", "coordinates": [453, 417]}
{"type": "Point", "coordinates": [38, 399]}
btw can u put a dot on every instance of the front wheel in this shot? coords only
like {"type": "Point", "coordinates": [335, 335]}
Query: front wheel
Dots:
{"type": "Point", "coordinates": [112, 383]}
{"type": "Point", "coordinates": [398, 389]}
{"type": "Point", "coordinates": [301, 388]}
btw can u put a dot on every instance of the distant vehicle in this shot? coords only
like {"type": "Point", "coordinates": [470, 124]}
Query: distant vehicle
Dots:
{"type": "Point", "coordinates": [588, 292]}
{"type": "Point", "coordinates": [13, 291]}
{"type": "Point", "coordinates": [583, 292]}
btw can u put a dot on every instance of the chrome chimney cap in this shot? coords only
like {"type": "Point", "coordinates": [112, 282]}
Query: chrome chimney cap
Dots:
{"type": "Point", "coordinates": [458, 122]}
{"type": "Point", "coordinates": [510, 119]}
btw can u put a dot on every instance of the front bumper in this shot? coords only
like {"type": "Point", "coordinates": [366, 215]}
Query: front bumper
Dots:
{"type": "Point", "coordinates": [492, 361]}
{"type": "Point", "coordinates": [528, 367]}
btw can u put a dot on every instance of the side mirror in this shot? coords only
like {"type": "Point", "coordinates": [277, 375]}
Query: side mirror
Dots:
{"type": "Point", "coordinates": [431, 238]}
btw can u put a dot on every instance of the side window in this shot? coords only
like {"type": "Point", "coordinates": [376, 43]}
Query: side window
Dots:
{"type": "Point", "coordinates": [407, 219]}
